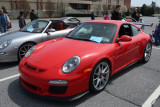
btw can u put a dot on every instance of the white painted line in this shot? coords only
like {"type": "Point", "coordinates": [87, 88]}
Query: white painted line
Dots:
{"type": "Point", "coordinates": [7, 78]}
{"type": "Point", "coordinates": [151, 100]}
{"type": "Point", "coordinates": [155, 48]}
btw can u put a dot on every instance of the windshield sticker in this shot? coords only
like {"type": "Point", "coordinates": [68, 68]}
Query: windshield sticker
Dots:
{"type": "Point", "coordinates": [30, 30]}
{"type": "Point", "coordinates": [96, 39]}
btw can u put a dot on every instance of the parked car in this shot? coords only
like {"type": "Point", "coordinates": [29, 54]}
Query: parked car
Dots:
{"type": "Point", "coordinates": [13, 46]}
{"type": "Point", "coordinates": [9, 25]}
{"type": "Point", "coordinates": [71, 21]}
{"type": "Point", "coordinates": [84, 60]}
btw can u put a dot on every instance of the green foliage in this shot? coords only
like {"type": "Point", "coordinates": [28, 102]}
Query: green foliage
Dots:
{"type": "Point", "coordinates": [4, 9]}
{"type": "Point", "coordinates": [148, 10]}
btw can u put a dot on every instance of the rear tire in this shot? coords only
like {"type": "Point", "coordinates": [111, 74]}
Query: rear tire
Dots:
{"type": "Point", "coordinates": [99, 76]}
{"type": "Point", "coordinates": [147, 52]}
{"type": "Point", "coordinates": [23, 49]}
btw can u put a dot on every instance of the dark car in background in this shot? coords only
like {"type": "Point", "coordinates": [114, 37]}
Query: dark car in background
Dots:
{"type": "Point", "coordinates": [71, 21]}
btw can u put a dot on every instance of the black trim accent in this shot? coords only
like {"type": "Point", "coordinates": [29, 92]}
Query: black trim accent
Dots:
{"type": "Point", "coordinates": [57, 89]}
{"type": "Point", "coordinates": [58, 99]}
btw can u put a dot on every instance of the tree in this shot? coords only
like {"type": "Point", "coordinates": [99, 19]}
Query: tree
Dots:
{"type": "Point", "coordinates": [24, 6]}
{"type": "Point", "coordinates": [50, 8]}
{"type": "Point", "coordinates": [123, 9]}
{"type": "Point", "coordinates": [143, 9]}
{"type": "Point", "coordinates": [153, 7]}
{"type": "Point", "coordinates": [97, 8]}
{"type": "Point", "coordinates": [62, 6]}
{"type": "Point", "coordinates": [4, 9]}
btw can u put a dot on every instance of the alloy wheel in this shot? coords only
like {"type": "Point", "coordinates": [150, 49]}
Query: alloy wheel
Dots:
{"type": "Point", "coordinates": [147, 53]}
{"type": "Point", "coordinates": [23, 49]}
{"type": "Point", "coordinates": [101, 76]}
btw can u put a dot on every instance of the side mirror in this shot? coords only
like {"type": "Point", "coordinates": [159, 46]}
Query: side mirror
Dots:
{"type": "Point", "coordinates": [124, 38]}
{"type": "Point", "coordinates": [51, 30]}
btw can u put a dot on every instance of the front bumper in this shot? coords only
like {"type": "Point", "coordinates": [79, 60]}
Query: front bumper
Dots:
{"type": "Point", "coordinates": [38, 82]}
{"type": "Point", "coordinates": [70, 98]}
{"type": "Point", "coordinates": [5, 57]}
{"type": "Point", "coordinates": [8, 54]}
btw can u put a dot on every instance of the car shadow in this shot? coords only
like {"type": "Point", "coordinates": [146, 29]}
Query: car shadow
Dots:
{"type": "Point", "coordinates": [19, 97]}
{"type": "Point", "coordinates": [124, 71]}
{"type": "Point", "coordinates": [8, 65]}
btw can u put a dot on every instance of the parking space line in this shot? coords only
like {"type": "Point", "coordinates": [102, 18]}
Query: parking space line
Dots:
{"type": "Point", "coordinates": [151, 100]}
{"type": "Point", "coordinates": [10, 77]}
{"type": "Point", "coordinates": [155, 47]}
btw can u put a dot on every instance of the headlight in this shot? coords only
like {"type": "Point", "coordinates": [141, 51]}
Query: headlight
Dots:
{"type": "Point", "coordinates": [71, 64]}
{"type": "Point", "coordinates": [29, 52]}
{"type": "Point", "coordinates": [5, 44]}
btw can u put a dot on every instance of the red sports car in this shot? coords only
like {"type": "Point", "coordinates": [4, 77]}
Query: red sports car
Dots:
{"type": "Point", "coordinates": [84, 60]}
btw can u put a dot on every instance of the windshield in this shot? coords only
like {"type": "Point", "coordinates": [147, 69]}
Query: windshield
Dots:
{"type": "Point", "coordinates": [36, 26]}
{"type": "Point", "coordinates": [94, 32]}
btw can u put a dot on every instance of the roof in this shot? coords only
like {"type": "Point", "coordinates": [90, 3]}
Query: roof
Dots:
{"type": "Point", "coordinates": [109, 21]}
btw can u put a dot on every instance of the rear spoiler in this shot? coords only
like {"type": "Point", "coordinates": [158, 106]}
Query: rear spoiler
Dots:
{"type": "Point", "coordinates": [142, 25]}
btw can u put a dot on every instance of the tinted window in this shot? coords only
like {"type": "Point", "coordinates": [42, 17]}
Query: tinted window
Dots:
{"type": "Point", "coordinates": [125, 30]}
{"type": "Point", "coordinates": [96, 32]}
{"type": "Point", "coordinates": [135, 30]}
{"type": "Point", "coordinates": [74, 20]}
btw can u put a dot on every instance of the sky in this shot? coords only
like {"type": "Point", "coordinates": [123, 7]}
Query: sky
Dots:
{"type": "Point", "coordinates": [141, 2]}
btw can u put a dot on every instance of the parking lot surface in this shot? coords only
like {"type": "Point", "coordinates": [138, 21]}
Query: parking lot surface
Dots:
{"type": "Point", "coordinates": [130, 87]}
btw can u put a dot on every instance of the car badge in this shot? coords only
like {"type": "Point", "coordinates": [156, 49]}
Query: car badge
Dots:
{"type": "Point", "coordinates": [38, 60]}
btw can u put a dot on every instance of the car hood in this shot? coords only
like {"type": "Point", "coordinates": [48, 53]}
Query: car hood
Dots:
{"type": "Point", "coordinates": [55, 54]}
{"type": "Point", "coordinates": [13, 35]}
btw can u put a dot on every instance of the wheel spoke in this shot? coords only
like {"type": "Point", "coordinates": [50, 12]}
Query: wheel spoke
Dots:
{"type": "Point", "coordinates": [95, 79]}
{"type": "Point", "coordinates": [98, 82]}
{"type": "Point", "coordinates": [103, 71]}
{"type": "Point", "coordinates": [103, 81]}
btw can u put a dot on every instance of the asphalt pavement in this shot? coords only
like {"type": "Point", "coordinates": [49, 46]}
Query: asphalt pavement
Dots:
{"type": "Point", "coordinates": [130, 87]}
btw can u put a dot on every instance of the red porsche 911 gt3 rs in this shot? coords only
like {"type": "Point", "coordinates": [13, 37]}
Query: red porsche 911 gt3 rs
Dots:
{"type": "Point", "coordinates": [84, 60]}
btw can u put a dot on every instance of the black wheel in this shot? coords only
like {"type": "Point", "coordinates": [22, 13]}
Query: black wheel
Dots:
{"type": "Point", "coordinates": [147, 53]}
{"type": "Point", "coordinates": [23, 49]}
{"type": "Point", "coordinates": [99, 76]}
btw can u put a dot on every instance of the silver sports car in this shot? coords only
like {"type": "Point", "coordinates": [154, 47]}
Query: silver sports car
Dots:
{"type": "Point", "coordinates": [13, 46]}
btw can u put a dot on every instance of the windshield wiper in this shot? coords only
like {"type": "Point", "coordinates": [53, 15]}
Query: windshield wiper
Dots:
{"type": "Point", "coordinates": [70, 37]}
{"type": "Point", "coordinates": [86, 40]}
{"type": "Point", "coordinates": [82, 39]}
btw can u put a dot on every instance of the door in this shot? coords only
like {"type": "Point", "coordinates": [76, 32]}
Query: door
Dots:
{"type": "Point", "coordinates": [126, 52]}
{"type": "Point", "coordinates": [55, 34]}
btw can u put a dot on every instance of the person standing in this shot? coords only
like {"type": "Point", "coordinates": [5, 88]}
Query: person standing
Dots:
{"type": "Point", "coordinates": [116, 15]}
{"type": "Point", "coordinates": [92, 16]}
{"type": "Point", "coordinates": [136, 15]}
{"type": "Point", "coordinates": [33, 16]}
{"type": "Point", "coordinates": [3, 21]}
{"type": "Point", "coordinates": [22, 21]}
{"type": "Point", "coordinates": [106, 17]}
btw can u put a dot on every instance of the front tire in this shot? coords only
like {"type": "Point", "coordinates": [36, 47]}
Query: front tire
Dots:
{"type": "Point", "coordinates": [147, 53]}
{"type": "Point", "coordinates": [23, 49]}
{"type": "Point", "coordinates": [99, 76]}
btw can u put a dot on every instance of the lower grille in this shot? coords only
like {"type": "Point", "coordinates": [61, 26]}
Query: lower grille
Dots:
{"type": "Point", "coordinates": [57, 89]}
{"type": "Point", "coordinates": [30, 86]}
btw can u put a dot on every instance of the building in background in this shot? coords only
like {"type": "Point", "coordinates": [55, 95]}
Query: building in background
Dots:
{"type": "Point", "coordinates": [81, 6]}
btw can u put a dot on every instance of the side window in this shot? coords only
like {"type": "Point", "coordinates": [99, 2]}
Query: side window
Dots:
{"type": "Point", "coordinates": [74, 20]}
{"type": "Point", "coordinates": [125, 30]}
{"type": "Point", "coordinates": [135, 30]}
